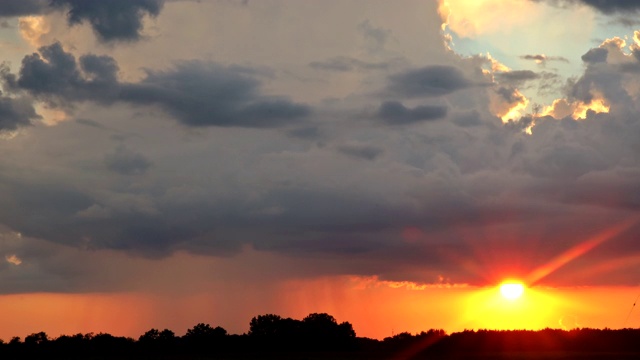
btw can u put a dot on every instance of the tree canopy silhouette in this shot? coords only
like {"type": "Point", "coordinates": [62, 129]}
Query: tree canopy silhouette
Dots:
{"type": "Point", "coordinates": [319, 336]}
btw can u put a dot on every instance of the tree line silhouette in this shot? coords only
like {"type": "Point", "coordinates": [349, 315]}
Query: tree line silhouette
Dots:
{"type": "Point", "coordinates": [320, 336]}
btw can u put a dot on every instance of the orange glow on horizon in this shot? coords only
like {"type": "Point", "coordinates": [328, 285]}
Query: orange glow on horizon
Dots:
{"type": "Point", "coordinates": [375, 310]}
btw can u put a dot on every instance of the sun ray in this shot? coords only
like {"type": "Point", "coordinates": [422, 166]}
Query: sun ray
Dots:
{"type": "Point", "coordinates": [579, 250]}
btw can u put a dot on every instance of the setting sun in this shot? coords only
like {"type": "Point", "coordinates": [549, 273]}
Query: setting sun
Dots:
{"type": "Point", "coordinates": [511, 290]}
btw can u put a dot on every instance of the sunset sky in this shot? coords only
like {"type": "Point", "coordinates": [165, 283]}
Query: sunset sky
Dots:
{"type": "Point", "coordinates": [171, 162]}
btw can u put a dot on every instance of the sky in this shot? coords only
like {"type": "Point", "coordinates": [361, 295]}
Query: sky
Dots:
{"type": "Point", "coordinates": [171, 162]}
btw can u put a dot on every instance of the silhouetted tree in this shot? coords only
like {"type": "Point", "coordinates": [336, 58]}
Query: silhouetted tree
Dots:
{"type": "Point", "coordinates": [110, 345]}
{"type": "Point", "coordinates": [204, 338]}
{"type": "Point", "coordinates": [167, 335]}
{"type": "Point", "coordinates": [272, 332]}
{"type": "Point", "coordinates": [150, 336]}
{"type": "Point", "coordinates": [265, 326]}
{"type": "Point", "coordinates": [322, 331]}
{"type": "Point", "coordinates": [36, 339]}
{"type": "Point", "coordinates": [205, 332]}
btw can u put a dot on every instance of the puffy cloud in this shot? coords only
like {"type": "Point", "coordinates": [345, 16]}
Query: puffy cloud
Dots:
{"type": "Point", "coordinates": [508, 103]}
{"type": "Point", "coordinates": [200, 94]}
{"type": "Point", "coordinates": [116, 20]}
{"type": "Point", "coordinates": [111, 20]}
{"type": "Point", "coordinates": [561, 108]}
{"type": "Point", "coordinates": [33, 28]}
{"type": "Point", "coordinates": [54, 75]}
{"type": "Point", "coordinates": [596, 55]}
{"type": "Point", "coordinates": [16, 113]}
{"type": "Point", "coordinates": [195, 93]}
{"type": "Point", "coordinates": [608, 76]}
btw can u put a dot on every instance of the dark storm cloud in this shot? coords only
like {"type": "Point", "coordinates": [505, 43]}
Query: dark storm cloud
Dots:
{"type": "Point", "coordinates": [195, 93]}
{"type": "Point", "coordinates": [346, 64]}
{"type": "Point", "coordinates": [10, 8]}
{"type": "Point", "coordinates": [395, 113]}
{"type": "Point", "coordinates": [111, 20]}
{"type": "Point", "coordinates": [436, 80]}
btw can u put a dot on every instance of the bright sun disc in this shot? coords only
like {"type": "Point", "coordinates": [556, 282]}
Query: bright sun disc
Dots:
{"type": "Point", "coordinates": [511, 291]}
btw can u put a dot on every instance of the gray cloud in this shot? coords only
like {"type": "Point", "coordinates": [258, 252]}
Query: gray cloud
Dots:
{"type": "Point", "coordinates": [466, 119]}
{"type": "Point", "coordinates": [603, 78]}
{"type": "Point", "coordinates": [516, 76]}
{"type": "Point", "coordinates": [305, 132]}
{"type": "Point", "coordinates": [436, 80]}
{"type": "Point", "coordinates": [375, 37]}
{"type": "Point", "coordinates": [611, 6]}
{"type": "Point", "coordinates": [16, 112]}
{"type": "Point", "coordinates": [361, 151]}
{"type": "Point", "coordinates": [195, 93]}
{"type": "Point", "coordinates": [509, 94]}
{"type": "Point", "coordinates": [126, 162]}
{"type": "Point", "coordinates": [11, 8]}
{"type": "Point", "coordinates": [604, 6]}
{"type": "Point", "coordinates": [596, 55]}
{"type": "Point", "coordinates": [113, 20]}
{"type": "Point", "coordinates": [55, 76]}
{"type": "Point", "coordinates": [543, 59]}
{"type": "Point", "coordinates": [200, 94]}
{"type": "Point", "coordinates": [395, 113]}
